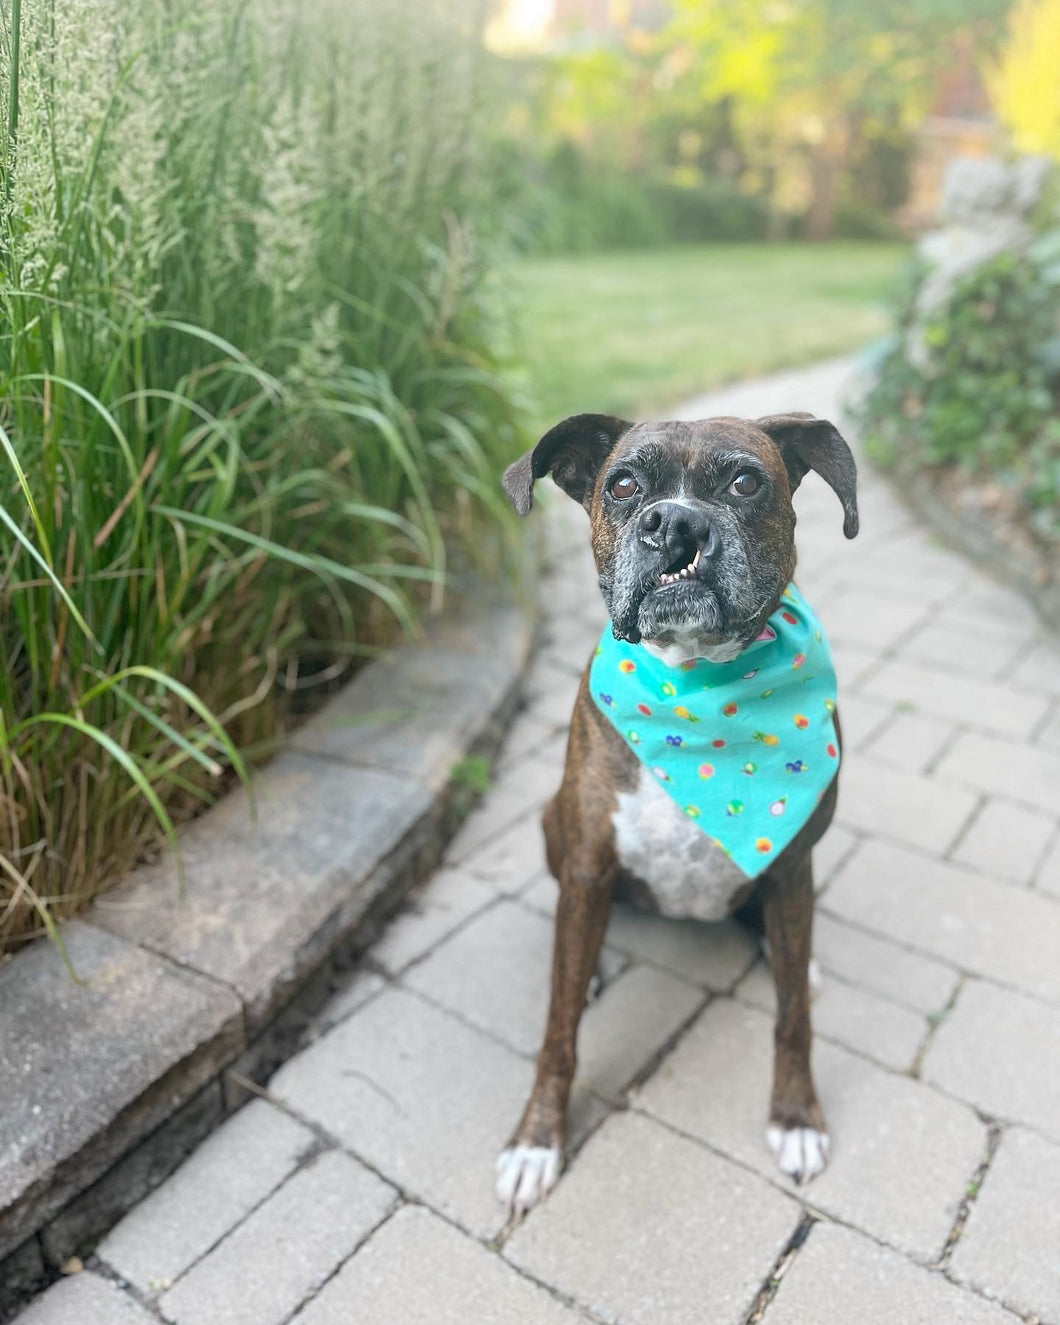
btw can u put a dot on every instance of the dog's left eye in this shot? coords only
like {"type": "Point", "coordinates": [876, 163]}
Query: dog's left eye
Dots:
{"type": "Point", "coordinates": [624, 487]}
{"type": "Point", "coordinates": [744, 485]}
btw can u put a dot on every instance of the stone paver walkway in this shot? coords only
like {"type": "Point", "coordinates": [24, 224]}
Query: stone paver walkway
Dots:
{"type": "Point", "coordinates": [360, 1190]}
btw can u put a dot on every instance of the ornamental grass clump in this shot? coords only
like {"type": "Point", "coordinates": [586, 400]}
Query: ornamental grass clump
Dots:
{"type": "Point", "coordinates": [250, 397]}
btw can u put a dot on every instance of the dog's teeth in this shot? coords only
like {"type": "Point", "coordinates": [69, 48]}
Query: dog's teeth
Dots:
{"type": "Point", "coordinates": [695, 559]}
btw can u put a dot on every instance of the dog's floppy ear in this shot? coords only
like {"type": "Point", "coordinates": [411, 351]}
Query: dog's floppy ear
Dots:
{"type": "Point", "coordinates": [806, 443]}
{"type": "Point", "coordinates": [572, 452]}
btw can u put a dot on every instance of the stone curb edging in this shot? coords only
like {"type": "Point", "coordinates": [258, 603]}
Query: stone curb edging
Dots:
{"type": "Point", "coordinates": [977, 541]}
{"type": "Point", "coordinates": [973, 538]}
{"type": "Point", "coordinates": [106, 1085]}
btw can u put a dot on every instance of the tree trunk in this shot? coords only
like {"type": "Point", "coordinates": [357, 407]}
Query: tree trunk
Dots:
{"type": "Point", "coordinates": [824, 169]}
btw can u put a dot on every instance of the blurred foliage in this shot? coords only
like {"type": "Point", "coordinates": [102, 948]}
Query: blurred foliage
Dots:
{"type": "Point", "coordinates": [569, 203]}
{"type": "Point", "coordinates": [732, 120]}
{"type": "Point", "coordinates": [986, 397]}
{"type": "Point", "coordinates": [1025, 84]}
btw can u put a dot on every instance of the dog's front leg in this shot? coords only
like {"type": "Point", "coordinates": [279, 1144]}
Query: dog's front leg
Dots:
{"type": "Point", "coordinates": [796, 1132]}
{"type": "Point", "coordinates": [528, 1169]}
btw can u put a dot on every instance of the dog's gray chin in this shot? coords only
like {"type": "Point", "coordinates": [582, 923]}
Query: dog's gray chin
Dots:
{"type": "Point", "coordinates": [681, 612]}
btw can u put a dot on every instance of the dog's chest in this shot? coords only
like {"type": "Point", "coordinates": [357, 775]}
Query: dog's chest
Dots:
{"type": "Point", "coordinates": [685, 873]}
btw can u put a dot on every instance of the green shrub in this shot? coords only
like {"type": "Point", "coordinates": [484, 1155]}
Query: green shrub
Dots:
{"type": "Point", "coordinates": [251, 392]}
{"type": "Point", "coordinates": [712, 210]}
{"type": "Point", "coordinates": [985, 396]}
{"type": "Point", "coordinates": [858, 219]}
{"type": "Point", "coordinates": [566, 204]}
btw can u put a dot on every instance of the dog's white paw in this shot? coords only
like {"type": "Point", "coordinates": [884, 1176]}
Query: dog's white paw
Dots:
{"type": "Point", "coordinates": [525, 1176]}
{"type": "Point", "coordinates": [802, 1152]}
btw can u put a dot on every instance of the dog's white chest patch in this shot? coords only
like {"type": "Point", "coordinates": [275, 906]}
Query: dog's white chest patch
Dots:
{"type": "Point", "coordinates": [687, 875]}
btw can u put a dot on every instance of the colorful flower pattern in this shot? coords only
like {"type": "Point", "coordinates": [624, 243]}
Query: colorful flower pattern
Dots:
{"type": "Point", "coordinates": [752, 789]}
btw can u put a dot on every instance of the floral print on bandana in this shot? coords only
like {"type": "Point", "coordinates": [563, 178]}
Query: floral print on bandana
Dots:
{"type": "Point", "coordinates": [746, 748]}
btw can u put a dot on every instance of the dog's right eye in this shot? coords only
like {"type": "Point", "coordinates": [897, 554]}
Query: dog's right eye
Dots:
{"type": "Point", "coordinates": [745, 484]}
{"type": "Point", "coordinates": [624, 487]}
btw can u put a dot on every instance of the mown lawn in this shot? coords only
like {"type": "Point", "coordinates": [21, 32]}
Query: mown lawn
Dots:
{"type": "Point", "coordinates": [629, 333]}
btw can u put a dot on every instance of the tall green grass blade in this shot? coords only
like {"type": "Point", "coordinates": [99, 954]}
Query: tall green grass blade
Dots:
{"type": "Point", "coordinates": [53, 579]}
{"type": "Point", "coordinates": [316, 565]}
{"type": "Point", "coordinates": [120, 757]}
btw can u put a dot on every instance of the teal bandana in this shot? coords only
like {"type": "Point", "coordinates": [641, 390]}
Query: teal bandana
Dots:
{"type": "Point", "coordinates": [746, 748]}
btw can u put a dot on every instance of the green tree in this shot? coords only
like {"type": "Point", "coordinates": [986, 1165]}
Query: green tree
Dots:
{"type": "Point", "coordinates": [811, 80]}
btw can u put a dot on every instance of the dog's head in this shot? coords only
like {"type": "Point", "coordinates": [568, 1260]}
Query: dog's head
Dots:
{"type": "Point", "coordinates": [692, 525]}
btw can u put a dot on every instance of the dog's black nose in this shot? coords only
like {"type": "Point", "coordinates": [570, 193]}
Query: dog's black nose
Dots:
{"type": "Point", "coordinates": [676, 529]}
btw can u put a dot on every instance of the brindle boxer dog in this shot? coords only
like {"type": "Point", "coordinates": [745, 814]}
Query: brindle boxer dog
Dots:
{"type": "Point", "coordinates": [657, 495]}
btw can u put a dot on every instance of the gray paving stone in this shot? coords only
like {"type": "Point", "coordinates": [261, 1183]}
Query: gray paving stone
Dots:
{"type": "Point", "coordinates": [287, 1248]}
{"type": "Point", "coordinates": [902, 1154]}
{"type": "Point", "coordinates": [990, 928]}
{"type": "Point", "coordinates": [919, 810]}
{"type": "Point", "coordinates": [224, 1179]}
{"type": "Point", "coordinates": [362, 986]}
{"type": "Point", "coordinates": [321, 828]}
{"type": "Point", "coordinates": [983, 599]}
{"type": "Point", "coordinates": [1009, 1245]}
{"type": "Point", "coordinates": [495, 974]}
{"type": "Point", "coordinates": [526, 736]}
{"type": "Point", "coordinates": [852, 616]}
{"type": "Point", "coordinates": [861, 718]}
{"type": "Point", "coordinates": [629, 1024]}
{"type": "Point", "coordinates": [984, 653]}
{"type": "Point", "coordinates": [853, 663]}
{"type": "Point", "coordinates": [943, 694]}
{"type": "Point", "coordinates": [912, 741]}
{"type": "Point", "coordinates": [415, 712]}
{"type": "Point", "coordinates": [533, 781]}
{"type": "Point", "coordinates": [855, 1017]}
{"type": "Point", "coordinates": [418, 1270]}
{"type": "Point", "coordinates": [1049, 733]}
{"type": "Point", "coordinates": [84, 1299]}
{"type": "Point", "coordinates": [1006, 840]}
{"type": "Point", "coordinates": [568, 644]}
{"type": "Point", "coordinates": [649, 1227]}
{"type": "Point", "coordinates": [1048, 880]}
{"type": "Point", "coordinates": [999, 1050]}
{"type": "Point", "coordinates": [509, 860]}
{"type": "Point", "coordinates": [1015, 770]}
{"type": "Point", "coordinates": [713, 956]}
{"type": "Point", "coordinates": [421, 1097]}
{"type": "Point", "coordinates": [1039, 668]}
{"type": "Point", "coordinates": [915, 556]}
{"type": "Point", "coordinates": [916, 981]}
{"type": "Point", "coordinates": [541, 894]}
{"type": "Point", "coordinates": [842, 1278]}
{"type": "Point", "coordinates": [817, 388]}
{"type": "Point", "coordinates": [446, 901]}
{"type": "Point", "coordinates": [553, 708]}
{"type": "Point", "coordinates": [547, 684]}
{"type": "Point", "coordinates": [497, 813]}
{"type": "Point", "coordinates": [134, 1022]}
{"type": "Point", "coordinates": [830, 852]}
{"type": "Point", "coordinates": [912, 573]}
